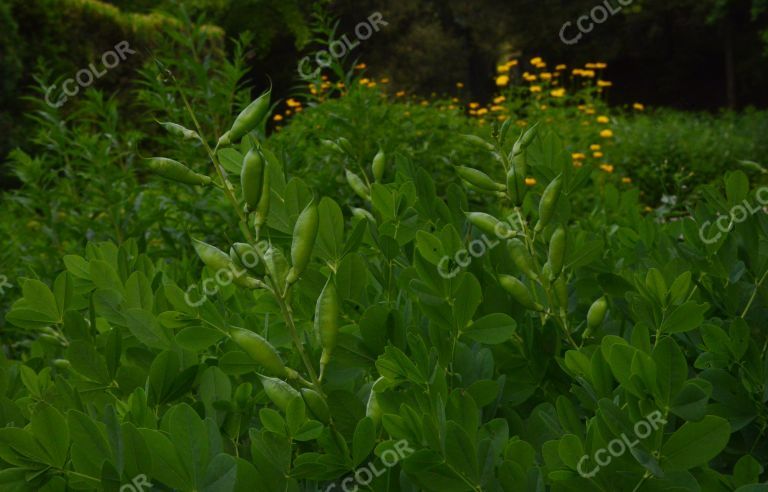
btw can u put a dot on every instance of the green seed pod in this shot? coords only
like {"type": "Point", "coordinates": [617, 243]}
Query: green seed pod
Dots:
{"type": "Point", "coordinates": [317, 405]}
{"type": "Point", "coordinates": [548, 203]}
{"type": "Point", "coordinates": [327, 312]}
{"type": "Point", "coordinates": [259, 350]}
{"type": "Point", "coordinates": [474, 139]}
{"type": "Point", "coordinates": [62, 364]}
{"type": "Point", "coordinates": [243, 394]}
{"type": "Point", "coordinates": [304, 234]}
{"type": "Point", "coordinates": [561, 293]}
{"type": "Point", "coordinates": [346, 145]}
{"type": "Point", "coordinates": [362, 213]}
{"type": "Point", "coordinates": [262, 208]}
{"type": "Point", "coordinates": [485, 222]}
{"type": "Point", "coordinates": [212, 256]}
{"type": "Point", "coordinates": [277, 267]}
{"type": "Point", "coordinates": [479, 179]}
{"type": "Point", "coordinates": [516, 188]}
{"type": "Point", "coordinates": [179, 131]}
{"type": "Point", "coordinates": [379, 165]}
{"type": "Point", "coordinates": [49, 339]}
{"type": "Point", "coordinates": [252, 177]}
{"type": "Point", "coordinates": [176, 171]}
{"type": "Point", "coordinates": [525, 140]}
{"type": "Point", "coordinates": [557, 251]}
{"type": "Point", "coordinates": [280, 392]}
{"type": "Point", "coordinates": [519, 292]}
{"type": "Point", "coordinates": [521, 257]}
{"type": "Point", "coordinates": [596, 313]}
{"type": "Point", "coordinates": [330, 144]}
{"type": "Point", "coordinates": [250, 117]}
{"type": "Point", "coordinates": [245, 257]}
{"type": "Point", "coordinates": [357, 184]}
{"type": "Point", "coordinates": [372, 408]}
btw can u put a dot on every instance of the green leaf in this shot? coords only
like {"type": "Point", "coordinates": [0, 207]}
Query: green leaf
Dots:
{"type": "Point", "coordinates": [492, 329]}
{"type": "Point", "coordinates": [329, 244]}
{"type": "Point", "coordinates": [198, 338]}
{"type": "Point", "coordinates": [363, 440]}
{"type": "Point", "coordinates": [221, 474]}
{"type": "Point", "coordinates": [144, 326]}
{"type": "Point", "coordinates": [685, 317]}
{"type": "Point", "coordinates": [50, 429]}
{"type": "Point", "coordinates": [90, 447]}
{"type": "Point", "coordinates": [695, 443]}
{"type": "Point", "coordinates": [189, 436]}
{"type": "Point", "coordinates": [570, 450]}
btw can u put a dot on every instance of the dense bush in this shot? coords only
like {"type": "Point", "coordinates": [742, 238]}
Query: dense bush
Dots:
{"type": "Point", "coordinates": [449, 344]}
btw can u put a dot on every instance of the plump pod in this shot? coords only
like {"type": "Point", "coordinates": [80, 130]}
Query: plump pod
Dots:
{"type": "Point", "coordinates": [327, 311]}
{"type": "Point", "coordinates": [176, 171]}
{"type": "Point", "coordinates": [304, 234]}
{"type": "Point", "coordinates": [379, 165]}
{"type": "Point", "coordinates": [519, 292]}
{"type": "Point", "coordinates": [243, 394]}
{"type": "Point", "coordinates": [548, 203]}
{"type": "Point", "coordinates": [597, 312]}
{"type": "Point", "coordinates": [372, 408]}
{"type": "Point", "coordinates": [362, 213]}
{"type": "Point", "coordinates": [212, 256]}
{"type": "Point", "coordinates": [179, 131]}
{"type": "Point", "coordinates": [280, 392]}
{"type": "Point", "coordinates": [521, 257]}
{"type": "Point", "coordinates": [485, 222]}
{"type": "Point", "coordinates": [357, 185]}
{"type": "Point", "coordinates": [277, 267]}
{"type": "Point", "coordinates": [316, 404]}
{"type": "Point", "coordinates": [479, 179]}
{"type": "Point", "coordinates": [557, 251]}
{"type": "Point", "coordinates": [259, 350]}
{"type": "Point", "coordinates": [516, 188]}
{"type": "Point", "coordinates": [249, 118]}
{"type": "Point", "coordinates": [262, 207]}
{"type": "Point", "coordinates": [252, 177]}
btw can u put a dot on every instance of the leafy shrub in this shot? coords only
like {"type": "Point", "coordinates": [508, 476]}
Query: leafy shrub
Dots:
{"type": "Point", "coordinates": [355, 333]}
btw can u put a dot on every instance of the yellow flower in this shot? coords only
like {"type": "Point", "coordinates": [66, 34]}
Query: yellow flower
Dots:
{"type": "Point", "coordinates": [288, 112]}
{"type": "Point", "coordinates": [278, 117]}
{"type": "Point", "coordinates": [339, 85]}
{"type": "Point", "coordinates": [577, 71]}
{"type": "Point", "coordinates": [521, 123]}
{"type": "Point", "coordinates": [529, 77]}
{"type": "Point", "coordinates": [577, 156]}
{"type": "Point", "coordinates": [364, 81]}
{"type": "Point", "coordinates": [474, 105]}
{"type": "Point", "coordinates": [597, 155]}
{"type": "Point", "coordinates": [638, 107]}
{"type": "Point", "coordinates": [595, 147]}
{"type": "Point", "coordinates": [603, 119]}
{"type": "Point", "coordinates": [561, 67]}
{"type": "Point", "coordinates": [558, 93]}
{"type": "Point", "coordinates": [425, 103]}
{"type": "Point", "coordinates": [498, 108]}
{"type": "Point", "coordinates": [536, 61]}
{"type": "Point", "coordinates": [588, 74]}
{"type": "Point", "coordinates": [502, 80]}
{"type": "Point", "coordinates": [371, 84]}
{"type": "Point", "coordinates": [626, 180]}
{"type": "Point", "coordinates": [385, 80]}
{"type": "Point", "coordinates": [606, 133]}
{"type": "Point", "coordinates": [577, 164]}
{"type": "Point", "coordinates": [530, 181]}
{"type": "Point", "coordinates": [481, 111]}
{"type": "Point", "coordinates": [360, 66]}
{"type": "Point", "coordinates": [501, 117]}
{"type": "Point", "coordinates": [291, 102]}
{"type": "Point", "coordinates": [607, 168]}
{"type": "Point", "coordinates": [545, 76]}
{"type": "Point", "coordinates": [473, 112]}
{"type": "Point", "coordinates": [299, 109]}
{"type": "Point", "coordinates": [535, 88]}
{"type": "Point", "coordinates": [601, 65]}
{"type": "Point", "coordinates": [499, 100]}
{"type": "Point", "coordinates": [604, 83]}
{"type": "Point", "coordinates": [399, 93]}
{"type": "Point", "coordinates": [460, 85]}
{"type": "Point", "coordinates": [543, 107]}
{"type": "Point", "coordinates": [590, 65]}
{"type": "Point", "coordinates": [589, 111]}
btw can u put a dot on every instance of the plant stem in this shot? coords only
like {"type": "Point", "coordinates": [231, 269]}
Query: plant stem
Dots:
{"type": "Point", "coordinates": [288, 315]}
{"type": "Point", "coordinates": [754, 294]}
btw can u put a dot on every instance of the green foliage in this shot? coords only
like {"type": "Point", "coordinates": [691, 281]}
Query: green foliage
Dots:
{"type": "Point", "coordinates": [364, 339]}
